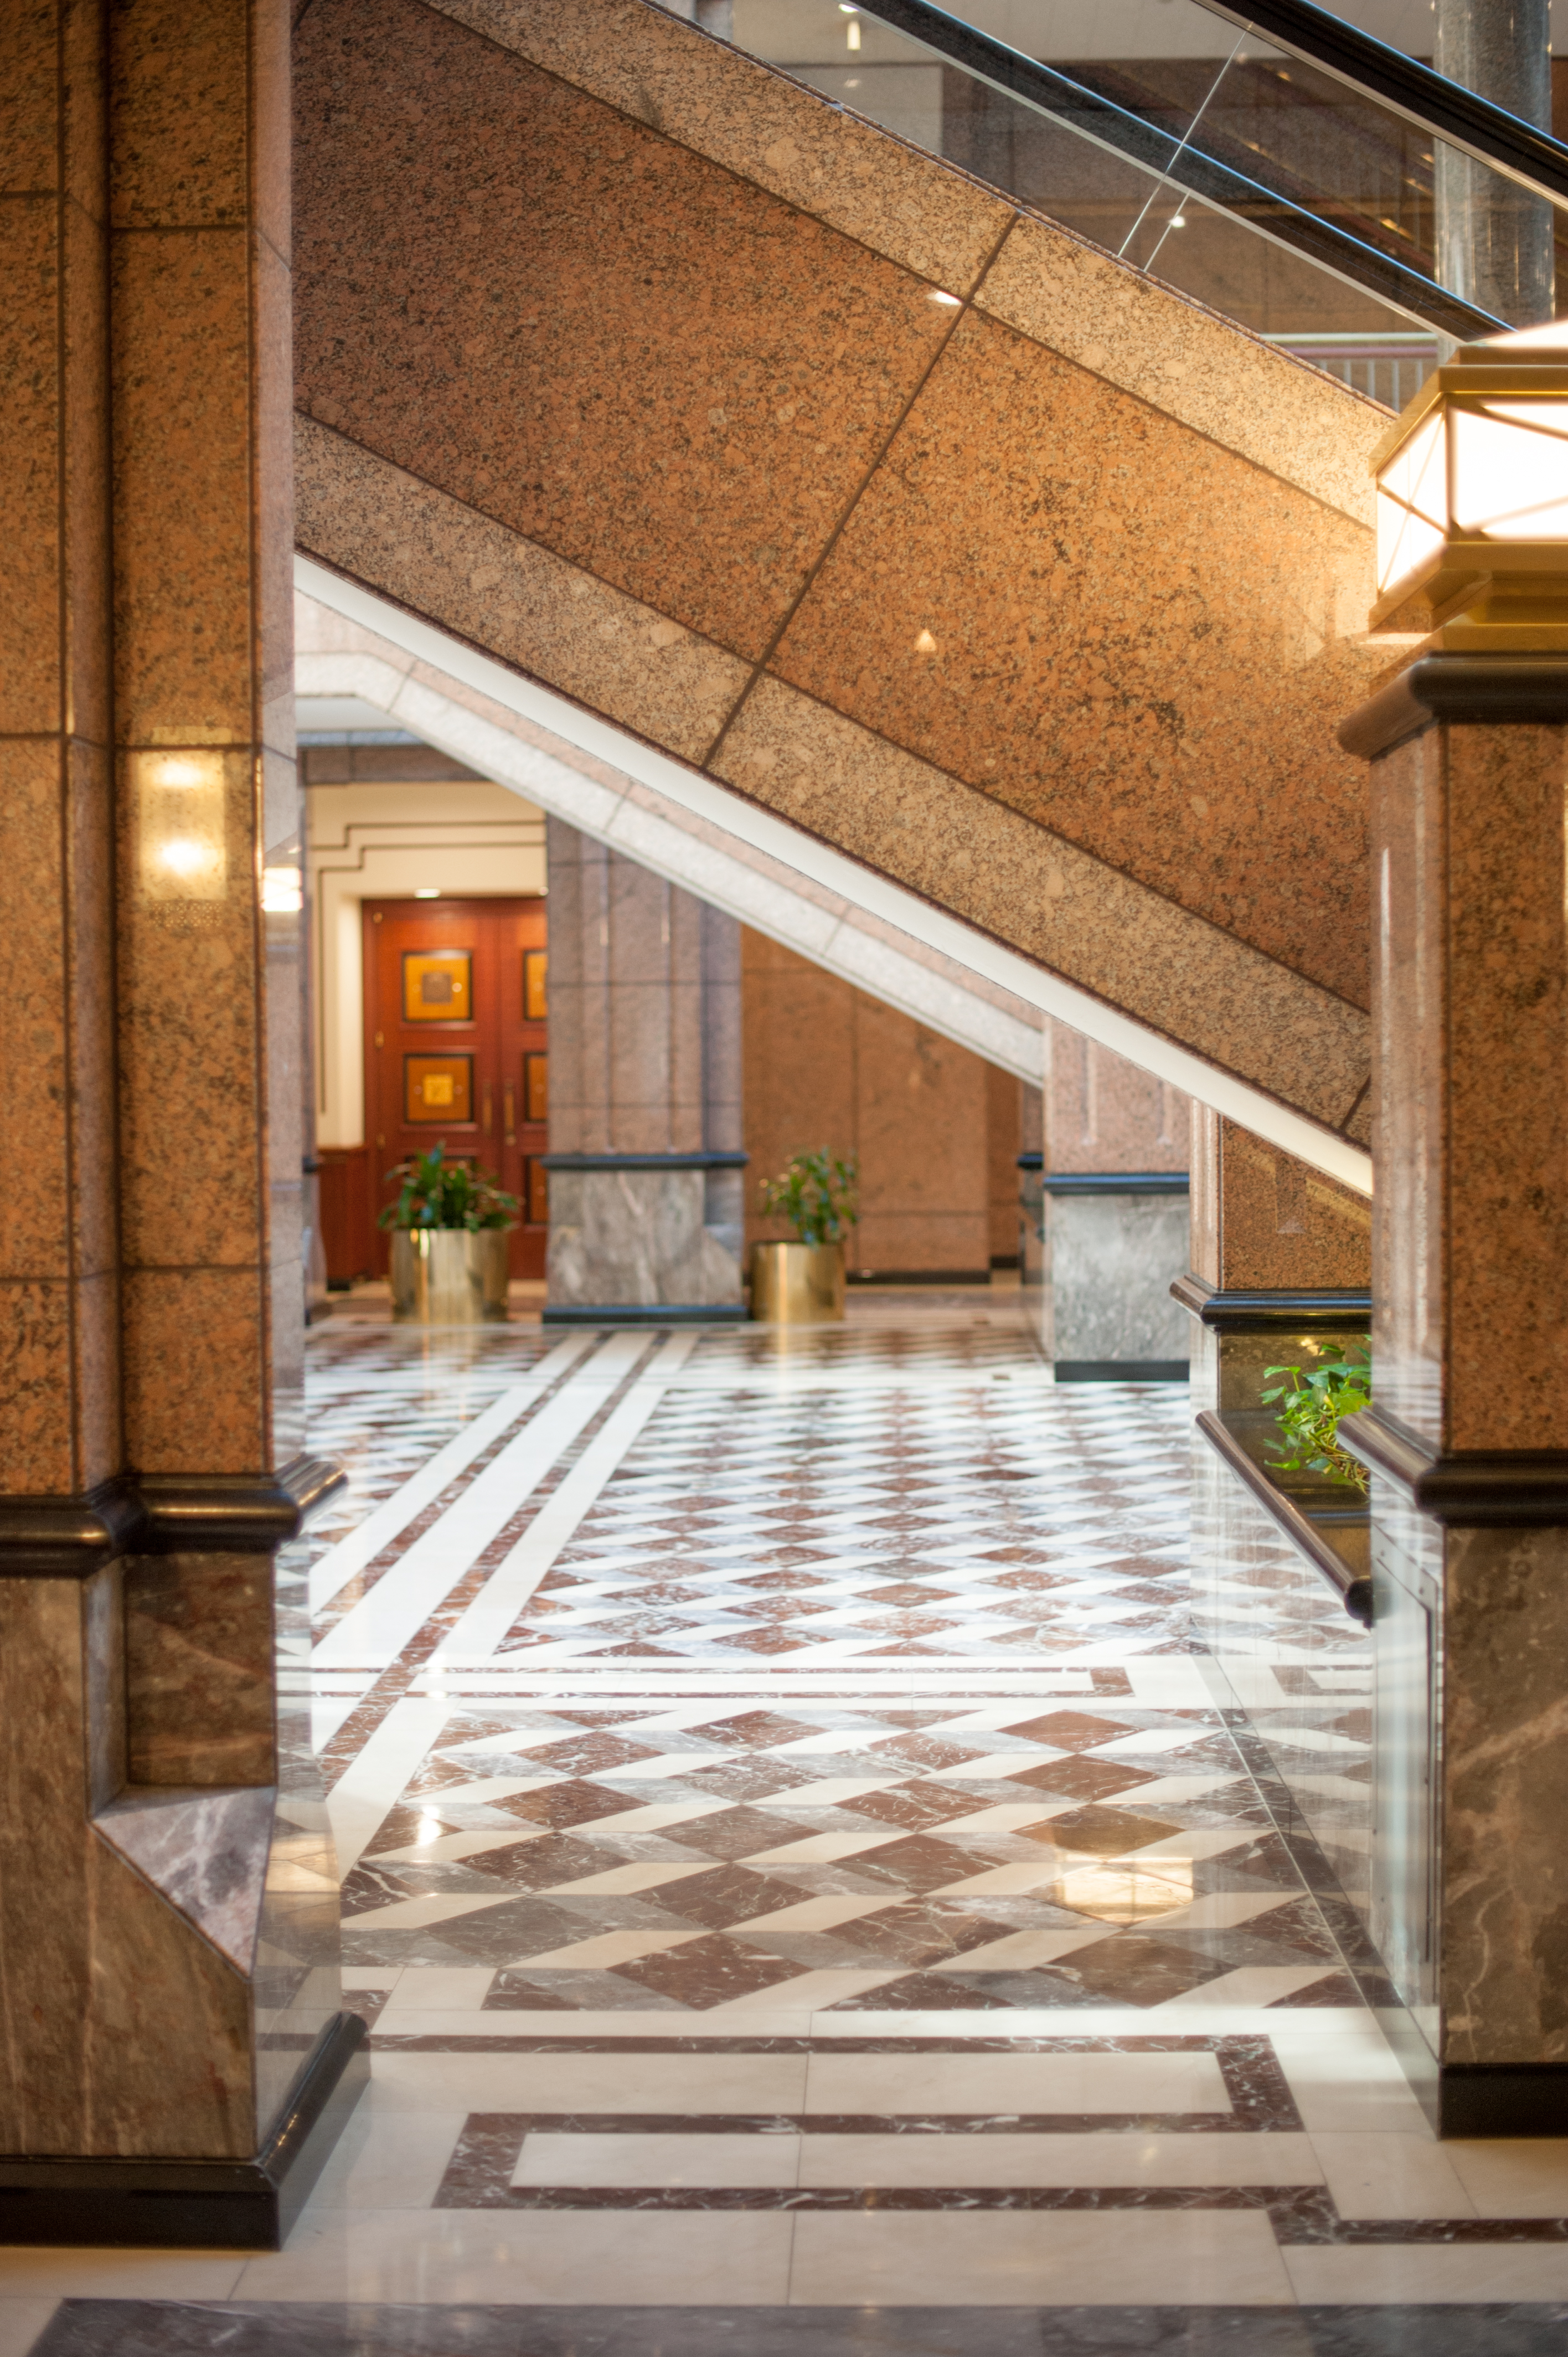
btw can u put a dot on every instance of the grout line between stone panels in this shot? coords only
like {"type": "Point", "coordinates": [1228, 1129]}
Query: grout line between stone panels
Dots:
{"type": "Point", "coordinates": [963, 304]}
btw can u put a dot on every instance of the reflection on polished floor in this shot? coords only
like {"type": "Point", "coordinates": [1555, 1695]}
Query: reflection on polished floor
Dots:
{"type": "Point", "coordinates": [781, 1805]}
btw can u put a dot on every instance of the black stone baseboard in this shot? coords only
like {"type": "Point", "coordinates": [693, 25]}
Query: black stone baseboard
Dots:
{"type": "Point", "coordinates": [1123, 1371]}
{"type": "Point", "coordinates": [1497, 2099]}
{"type": "Point", "coordinates": [640, 1313]}
{"type": "Point", "coordinates": [228, 2205]}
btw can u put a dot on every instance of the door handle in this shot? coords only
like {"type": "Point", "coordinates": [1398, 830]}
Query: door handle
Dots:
{"type": "Point", "coordinates": [511, 1116]}
{"type": "Point", "coordinates": [485, 1117]}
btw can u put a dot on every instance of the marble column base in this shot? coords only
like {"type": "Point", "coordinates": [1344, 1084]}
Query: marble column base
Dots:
{"type": "Point", "coordinates": [233, 2205]}
{"type": "Point", "coordinates": [629, 1238]}
{"type": "Point", "coordinates": [1112, 1246]}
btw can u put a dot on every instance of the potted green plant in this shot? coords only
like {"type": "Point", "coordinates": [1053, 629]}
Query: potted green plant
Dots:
{"type": "Point", "coordinates": [449, 1229]}
{"type": "Point", "coordinates": [1313, 1401]}
{"type": "Point", "coordinates": [801, 1284]}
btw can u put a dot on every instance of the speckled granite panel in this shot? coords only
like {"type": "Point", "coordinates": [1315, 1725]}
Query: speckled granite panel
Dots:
{"type": "Point", "coordinates": [759, 124]}
{"type": "Point", "coordinates": [1284, 1227]}
{"type": "Point", "coordinates": [614, 346]}
{"type": "Point", "coordinates": [1080, 916]}
{"type": "Point", "coordinates": [1505, 1212]}
{"type": "Point", "coordinates": [1103, 1113]}
{"type": "Point", "coordinates": [1120, 629]}
{"type": "Point", "coordinates": [1300, 425]}
{"type": "Point", "coordinates": [481, 580]}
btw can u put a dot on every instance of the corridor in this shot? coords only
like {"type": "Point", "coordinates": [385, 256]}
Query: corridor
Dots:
{"type": "Point", "coordinates": [779, 1805]}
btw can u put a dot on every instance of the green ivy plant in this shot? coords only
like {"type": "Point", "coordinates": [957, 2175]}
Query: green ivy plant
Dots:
{"type": "Point", "coordinates": [436, 1193]}
{"type": "Point", "coordinates": [1314, 1399]}
{"type": "Point", "coordinates": [818, 1194]}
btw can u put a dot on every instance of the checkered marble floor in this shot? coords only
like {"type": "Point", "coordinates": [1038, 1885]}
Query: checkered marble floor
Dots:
{"type": "Point", "coordinates": [803, 1890]}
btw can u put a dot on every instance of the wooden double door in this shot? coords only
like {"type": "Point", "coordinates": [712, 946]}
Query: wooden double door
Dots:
{"type": "Point", "coordinates": [456, 1049]}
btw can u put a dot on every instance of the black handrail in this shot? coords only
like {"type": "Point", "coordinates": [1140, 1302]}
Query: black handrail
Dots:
{"type": "Point", "coordinates": [1530, 156]}
{"type": "Point", "coordinates": [1188, 165]}
{"type": "Point", "coordinates": [1519, 149]}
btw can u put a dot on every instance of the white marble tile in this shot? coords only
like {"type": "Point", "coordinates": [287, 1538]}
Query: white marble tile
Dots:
{"type": "Point", "coordinates": [385, 2159]}
{"type": "Point", "coordinates": [523, 2257]}
{"type": "Point", "coordinates": [607, 1949]}
{"type": "Point", "coordinates": [549, 2158]}
{"type": "Point", "coordinates": [430, 1907]}
{"type": "Point", "coordinates": [1020, 1951]}
{"type": "Point", "coordinates": [1058, 2160]}
{"type": "Point", "coordinates": [46, 2273]}
{"type": "Point", "coordinates": [829, 1792]}
{"type": "Point", "coordinates": [806, 1992]}
{"type": "Point", "coordinates": [645, 1874]}
{"type": "Point", "coordinates": [1384, 2176]}
{"type": "Point", "coordinates": [452, 1849]}
{"type": "Point", "coordinates": [21, 2322]}
{"type": "Point", "coordinates": [813, 1914]}
{"type": "Point", "coordinates": [1047, 2258]}
{"type": "Point", "coordinates": [1347, 2082]}
{"type": "Point", "coordinates": [750, 2083]}
{"type": "Point", "coordinates": [1525, 2177]}
{"type": "Point", "coordinates": [1249, 1984]}
{"type": "Point", "coordinates": [440, 1988]}
{"type": "Point", "coordinates": [1013, 2084]}
{"type": "Point", "coordinates": [1415, 2273]}
{"type": "Point", "coordinates": [826, 1849]}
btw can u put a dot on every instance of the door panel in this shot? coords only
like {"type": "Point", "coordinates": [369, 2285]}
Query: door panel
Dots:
{"type": "Point", "coordinates": [456, 1049]}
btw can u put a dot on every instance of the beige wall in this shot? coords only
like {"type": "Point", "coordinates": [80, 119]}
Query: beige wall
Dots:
{"type": "Point", "coordinates": [935, 1128]}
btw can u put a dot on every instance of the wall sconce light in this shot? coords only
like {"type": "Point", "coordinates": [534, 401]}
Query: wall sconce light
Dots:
{"type": "Point", "coordinates": [1473, 499]}
{"type": "Point", "coordinates": [182, 850]}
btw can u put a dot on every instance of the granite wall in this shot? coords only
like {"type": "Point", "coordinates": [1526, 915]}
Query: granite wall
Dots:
{"type": "Point", "coordinates": [936, 1130]}
{"type": "Point", "coordinates": [821, 466]}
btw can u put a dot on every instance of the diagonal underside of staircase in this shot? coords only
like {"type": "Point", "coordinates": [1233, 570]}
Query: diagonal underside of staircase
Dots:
{"type": "Point", "coordinates": [857, 491]}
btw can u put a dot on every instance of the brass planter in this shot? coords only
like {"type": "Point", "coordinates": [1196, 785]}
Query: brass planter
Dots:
{"type": "Point", "coordinates": [797, 1285]}
{"type": "Point", "coordinates": [449, 1276]}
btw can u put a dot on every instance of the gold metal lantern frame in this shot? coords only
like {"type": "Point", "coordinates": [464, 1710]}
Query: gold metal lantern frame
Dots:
{"type": "Point", "coordinates": [1473, 499]}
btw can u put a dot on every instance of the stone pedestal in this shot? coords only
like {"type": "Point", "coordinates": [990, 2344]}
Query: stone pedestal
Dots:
{"type": "Point", "coordinates": [169, 2010]}
{"type": "Point", "coordinates": [1113, 1221]}
{"type": "Point", "coordinates": [646, 1208]}
{"type": "Point", "coordinates": [1467, 1438]}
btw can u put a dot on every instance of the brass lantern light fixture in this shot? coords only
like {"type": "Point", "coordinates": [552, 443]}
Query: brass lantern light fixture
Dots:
{"type": "Point", "coordinates": [1472, 501]}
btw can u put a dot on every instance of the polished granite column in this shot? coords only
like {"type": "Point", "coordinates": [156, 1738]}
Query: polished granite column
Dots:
{"type": "Point", "coordinates": [1467, 1439]}
{"type": "Point", "coordinates": [170, 2026]}
{"type": "Point", "coordinates": [646, 1210]}
{"type": "Point", "coordinates": [1114, 1219]}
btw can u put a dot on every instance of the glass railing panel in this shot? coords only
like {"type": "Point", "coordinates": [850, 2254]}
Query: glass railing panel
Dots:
{"type": "Point", "coordinates": [1308, 211]}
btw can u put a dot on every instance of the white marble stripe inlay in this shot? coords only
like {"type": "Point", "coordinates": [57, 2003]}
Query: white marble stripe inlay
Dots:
{"type": "Point", "coordinates": [360, 1546]}
{"type": "Point", "coordinates": [367, 1790]}
{"type": "Point", "coordinates": [493, 1613]}
{"type": "Point", "coordinates": [375, 1632]}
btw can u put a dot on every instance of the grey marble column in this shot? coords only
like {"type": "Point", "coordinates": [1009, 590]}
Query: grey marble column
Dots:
{"type": "Point", "coordinates": [1115, 1204]}
{"type": "Point", "coordinates": [1495, 241]}
{"type": "Point", "coordinates": [645, 1098]}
